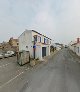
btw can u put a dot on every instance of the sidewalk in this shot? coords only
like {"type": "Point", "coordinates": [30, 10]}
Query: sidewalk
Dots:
{"type": "Point", "coordinates": [50, 56]}
{"type": "Point", "coordinates": [45, 59]}
{"type": "Point", "coordinates": [76, 57]}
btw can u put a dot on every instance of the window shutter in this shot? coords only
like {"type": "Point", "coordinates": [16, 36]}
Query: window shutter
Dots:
{"type": "Point", "coordinates": [40, 39]}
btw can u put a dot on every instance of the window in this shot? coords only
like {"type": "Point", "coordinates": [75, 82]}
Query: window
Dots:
{"type": "Point", "coordinates": [17, 43]}
{"type": "Point", "coordinates": [50, 42]}
{"type": "Point", "coordinates": [40, 39]}
{"type": "Point", "coordinates": [37, 38]}
{"type": "Point", "coordinates": [45, 41]}
{"type": "Point", "coordinates": [78, 49]}
{"type": "Point", "coordinates": [26, 46]}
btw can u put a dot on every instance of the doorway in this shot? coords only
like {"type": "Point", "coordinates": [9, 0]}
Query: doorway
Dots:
{"type": "Point", "coordinates": [43, 51]}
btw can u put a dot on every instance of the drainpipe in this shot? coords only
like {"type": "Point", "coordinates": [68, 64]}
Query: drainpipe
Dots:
{"type": "Point", "coordinates": [34, 47]}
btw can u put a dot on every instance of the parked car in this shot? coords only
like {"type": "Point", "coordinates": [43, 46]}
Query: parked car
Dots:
{"type": "Point", "coordinates": [6, 55]}
{"type": "Point", "coordinates": [66, 46]}
{"type": "Point", "coordinates": [11, 53]}
{"type": "Point", "coordinates": [1, 55]}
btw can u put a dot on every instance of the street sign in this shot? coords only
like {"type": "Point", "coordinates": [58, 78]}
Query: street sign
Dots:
{"type": "Point", "coordinates": [34, 46]}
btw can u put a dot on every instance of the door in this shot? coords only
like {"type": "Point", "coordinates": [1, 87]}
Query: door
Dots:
{"type": "Point", "coordinates": [43, 51]}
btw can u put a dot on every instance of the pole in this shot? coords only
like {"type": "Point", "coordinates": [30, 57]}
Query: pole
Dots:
{"type": "Point", "coordinates": [34, 48]}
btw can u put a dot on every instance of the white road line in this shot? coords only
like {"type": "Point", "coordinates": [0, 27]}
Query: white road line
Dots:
{"type": "Point", "coordinates": [27, 68]}
{"type": "Point", "coordinates": [4, 65]}
{"type": "Point", "coordinates": [11, 80]}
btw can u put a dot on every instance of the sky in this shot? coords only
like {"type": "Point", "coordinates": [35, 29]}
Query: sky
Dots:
{"type": "Point", "coordinates": [57, 19]}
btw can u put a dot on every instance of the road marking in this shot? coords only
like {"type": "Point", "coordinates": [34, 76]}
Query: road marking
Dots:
{"type": "Point", "coordinates": [13, 78]}
{"type": "Point", "coordinates": [27, 68]}
{"type": "Point", "coordinates": [4, 65]}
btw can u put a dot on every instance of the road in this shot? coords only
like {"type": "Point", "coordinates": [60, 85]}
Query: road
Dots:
{"type": "Point", "coordinates": [60, 74]}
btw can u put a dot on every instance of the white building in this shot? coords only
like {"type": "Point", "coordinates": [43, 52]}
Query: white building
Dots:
{"type": "Point", "coordinates": [78, 49]}
{"type": "Point", "coordinates": [72, 45]}
{"type": "Point", "coordinates": [58, 46]}
{"type": "Point", "coordinates": [37, 44]}
{"type": "Point", "coordinates": [75, 46]}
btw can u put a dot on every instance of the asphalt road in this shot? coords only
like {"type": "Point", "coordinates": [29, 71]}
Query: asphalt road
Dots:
{"type": "Point", "coordinates": [60, 74]}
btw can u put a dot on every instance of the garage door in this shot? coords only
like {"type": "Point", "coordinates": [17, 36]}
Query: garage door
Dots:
{"type": "Point", "coordinates": [43, 51]}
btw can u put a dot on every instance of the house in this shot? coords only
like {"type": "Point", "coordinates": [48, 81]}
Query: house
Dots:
{"type": "Point", "coordinates": [6, 46]}
{"type": "Point", "coordinates": [72, 45]}
{"type": "Point", "coordinates": [13, 42]}
{"type": "Point", "coordinates": [37, 44]}
{"type": "Point", "coordinates": [75, 46]}
{"type": "Point", "coordinates": [58, 46]}
{"type": "Point", "coordinates": [0, 45]}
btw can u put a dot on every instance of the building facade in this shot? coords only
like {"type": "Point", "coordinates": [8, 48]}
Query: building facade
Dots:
{"type": "Point", "coordinates": [75, 46]}
{"type": "Point", "coordinates": [37, 44]}
{"type": "Point", "coordinates": [13, 42]}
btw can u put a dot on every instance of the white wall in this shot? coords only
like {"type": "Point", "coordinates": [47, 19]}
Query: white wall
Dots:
{"type": "Point", "coordinates": [72, 47]}
{"type": "Point", "coordinates": [75, 48]}
{"type": "Point", "coordinates": [48, 50]}
{"type": "Point", "coordinates": [38, 52]}
{"type": "Point", "coordinates": [26, 43]}
{"type": "Point", "coordinates": [58, 47]}
{"type": "Point", "coordinates": [78, 49]}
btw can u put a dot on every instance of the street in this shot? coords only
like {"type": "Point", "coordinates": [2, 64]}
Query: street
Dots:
{"type": "Point", "coordinates": [60, 74]}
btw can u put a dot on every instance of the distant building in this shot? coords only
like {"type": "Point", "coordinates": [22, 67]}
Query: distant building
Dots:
{"type": "Point", "coordinates": [14, 42]}
{"type": "Point", "coordinates": [58, 46]}
{"type": "Point", "coordinates": [0, 46]}
{"type": "Point", "coordinates": [75, 46]}
{"type": "Point", "coordinates": [37, 44]}
{"type": "Point", "coordinates": [13, 45]}
{"type": "Point", "coordinates": [6, 46]}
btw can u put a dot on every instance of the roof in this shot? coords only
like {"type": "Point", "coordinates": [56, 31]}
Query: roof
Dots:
{"type": "Point", "coordinates": [41, 34]}
{"type": "Point", "coordinates": [35, 32]}
{"type": "Point", "coordinates": [58, 44]}
{"type": "Point", "coordinates": [75, 43]}
{"type": "Point", "coordinates": [14, 39]}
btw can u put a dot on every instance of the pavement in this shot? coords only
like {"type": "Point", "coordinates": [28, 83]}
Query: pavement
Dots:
{"type": "Point", "coordinates": [60, 74]}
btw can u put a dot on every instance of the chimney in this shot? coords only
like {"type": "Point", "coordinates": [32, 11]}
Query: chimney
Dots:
{"type": "Point", "coordinates": [78, 40]}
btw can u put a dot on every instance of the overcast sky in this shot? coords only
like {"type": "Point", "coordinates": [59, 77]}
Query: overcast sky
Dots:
{"type": "Point", "coordinates": [58, 19]}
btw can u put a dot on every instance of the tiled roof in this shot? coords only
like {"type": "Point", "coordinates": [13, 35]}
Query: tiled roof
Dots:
{"type": "Point", "coordinates": [40, 34]}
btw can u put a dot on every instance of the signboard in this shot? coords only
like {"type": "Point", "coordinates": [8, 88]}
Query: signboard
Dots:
{"type": "Point", "coordinates": [34, 46]}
